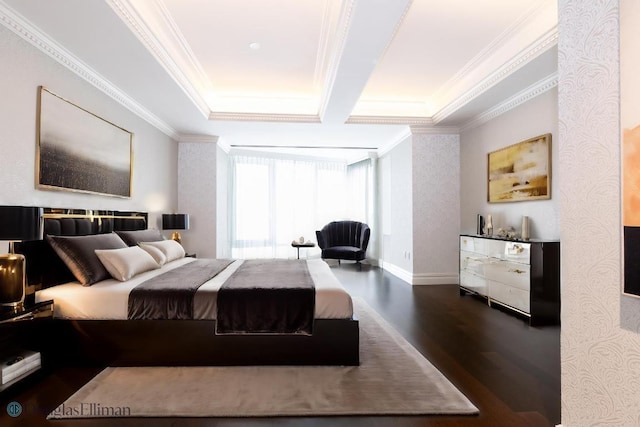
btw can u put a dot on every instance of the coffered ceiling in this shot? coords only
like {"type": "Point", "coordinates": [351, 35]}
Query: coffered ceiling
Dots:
{"type": "Point", "coordinates": [302, 72]}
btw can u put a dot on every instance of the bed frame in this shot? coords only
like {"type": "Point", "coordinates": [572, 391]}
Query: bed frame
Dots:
{"type": "Point", "coordinates": [165, 342]}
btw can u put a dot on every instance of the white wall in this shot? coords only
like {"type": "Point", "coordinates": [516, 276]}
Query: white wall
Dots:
{"type": "Point", "coordinates": [536, 117]}
{"type": "Point", "coordinates": [600, 341]}
{"type": "Point", "coordinates": [396, 213]}
{"type": "Point", "coordinates": [197, 196]}
{"type": "Point", "coordinates": [23, 69]}
{"type": "Point", "coordinates": [436, 208]}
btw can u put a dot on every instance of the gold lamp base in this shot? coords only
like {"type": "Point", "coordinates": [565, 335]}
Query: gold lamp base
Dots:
{"type": "Point", "coordinates": [12, 281]}
{"type": "Point", "coordinates": [176, 236]}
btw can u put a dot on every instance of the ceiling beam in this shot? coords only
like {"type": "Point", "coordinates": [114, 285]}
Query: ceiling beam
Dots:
{"type": "Point", "coordinates": [372, 26]}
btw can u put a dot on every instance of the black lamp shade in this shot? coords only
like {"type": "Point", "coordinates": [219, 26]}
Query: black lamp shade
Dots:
{"type": "Point", "coordinates": [175, 221]}
{"type": "Point", "coordinates": [18, 223]}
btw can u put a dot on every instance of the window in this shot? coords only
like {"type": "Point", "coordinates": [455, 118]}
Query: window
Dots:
{"type": "Point", "coordinates": [274, 201]}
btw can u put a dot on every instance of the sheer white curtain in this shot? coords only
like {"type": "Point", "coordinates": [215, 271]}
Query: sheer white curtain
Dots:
{"type": "Point", "coordinates": [276, 200]}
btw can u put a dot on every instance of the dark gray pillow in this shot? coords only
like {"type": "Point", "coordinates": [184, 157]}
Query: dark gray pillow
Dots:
{"type": "Point", "coordinates": [132, 238]}
{"type": "Point", "coordinates": [78, 253]}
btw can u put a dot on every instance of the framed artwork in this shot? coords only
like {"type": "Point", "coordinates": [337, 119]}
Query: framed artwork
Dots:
{"type": "Point", "coordinates": [79, 151]}
{"type": "Point", "coordinates": [630, 146]}
{"type": "Point", "coordinates": [521, 171]}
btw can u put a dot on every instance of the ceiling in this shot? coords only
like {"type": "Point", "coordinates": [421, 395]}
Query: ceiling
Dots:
{"type": "Point", "coordinates": [304, 73]}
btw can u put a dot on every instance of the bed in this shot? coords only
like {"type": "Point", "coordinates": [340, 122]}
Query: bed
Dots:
{"type": "Point", "coordinates": [93, 324]}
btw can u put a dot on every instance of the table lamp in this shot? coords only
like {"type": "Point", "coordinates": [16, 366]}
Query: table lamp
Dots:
{"type": "Point", "coordinates": [17, 223]}
{"type": "Point", "coordinates": [175, 222]}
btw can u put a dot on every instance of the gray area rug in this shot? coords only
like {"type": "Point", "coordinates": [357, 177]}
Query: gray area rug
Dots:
{"type": "Point", "coordinates": [393, 379]}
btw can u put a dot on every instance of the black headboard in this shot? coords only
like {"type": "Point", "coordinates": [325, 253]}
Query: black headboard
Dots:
{"type": "Point", "coordinates": [44, 267]}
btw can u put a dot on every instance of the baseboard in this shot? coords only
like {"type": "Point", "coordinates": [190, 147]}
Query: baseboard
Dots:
{"type": "Point", "coordinates": [435, 279]}
{"type": "Point", "coordinates": [397, 271]}
{"type": "Point", "coordinates": [420, 278]}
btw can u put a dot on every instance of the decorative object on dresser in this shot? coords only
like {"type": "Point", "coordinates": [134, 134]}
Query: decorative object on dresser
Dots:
{"type": "Point", "coordinates": [79, 151]}
{"type": "Point", "coordinates": [479, 225]}
{"type": "Point", "coordinates": [524, 232]}
{"type": "Point", "coordinates": [17, 223]}
{"type": "Point", "coordinates": [489, 226]}
{"type": "Point", "coordinates": [521, 276]}
{"type": "Point", "coordinates": [521, 171]}
{"type": "Point", "coordinates": [175, 222]}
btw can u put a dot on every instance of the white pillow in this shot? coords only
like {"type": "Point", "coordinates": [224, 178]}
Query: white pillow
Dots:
{"type": "Point", "coordinates": [125, 263]}
{"type": "Point", "coordinates": [156, 253]}
{"type": "Point", "coordinates": [170, 248]}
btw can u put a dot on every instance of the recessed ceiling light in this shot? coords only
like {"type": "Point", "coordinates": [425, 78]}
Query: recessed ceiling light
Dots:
{"type": "Point", "coordinates": [254, 46]}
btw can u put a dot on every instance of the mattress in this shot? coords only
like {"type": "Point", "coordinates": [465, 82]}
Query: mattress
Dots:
{"type": "Point", "coordinates": [108, 299]}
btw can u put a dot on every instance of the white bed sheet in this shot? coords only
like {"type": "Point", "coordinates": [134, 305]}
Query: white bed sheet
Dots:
{"type": "Point", "coordinates": [108, 299]}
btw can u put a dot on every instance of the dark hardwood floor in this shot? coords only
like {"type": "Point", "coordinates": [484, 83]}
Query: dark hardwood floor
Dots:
{"type": "Point", "coordinates": [509, 370]}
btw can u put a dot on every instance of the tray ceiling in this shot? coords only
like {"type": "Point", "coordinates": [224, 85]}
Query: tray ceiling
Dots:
{"type": "Point", "coordinates": [215, 67]}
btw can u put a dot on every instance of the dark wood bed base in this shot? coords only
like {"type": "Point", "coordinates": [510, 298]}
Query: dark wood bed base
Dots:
{"type": "Point", "coordinates": [194, 343]}
{"type": "Point", "coordinates": [166, 342]}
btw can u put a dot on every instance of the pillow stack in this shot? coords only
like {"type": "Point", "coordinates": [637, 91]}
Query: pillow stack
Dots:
{"type": "Point", "coordinates": [122, 256]}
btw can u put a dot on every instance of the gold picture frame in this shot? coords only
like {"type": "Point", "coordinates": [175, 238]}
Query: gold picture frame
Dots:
{"type": "Point", "coordinates": [80, 151]}
{"type": "Point", "coordinates": [520, 172]}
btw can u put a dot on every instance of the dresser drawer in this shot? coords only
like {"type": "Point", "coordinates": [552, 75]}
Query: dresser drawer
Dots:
{"type": "Point", "coordinates": [467, 244]}
{"type": "Point", "coordinates": [517, 252]}
{"type": "Point", "coordinates": [490, 247]}
{"type": "Point", "coordinates": [510, 273]}
{"type": "Point", "coordinates": [473, 283]}
{"type": "Point", "coordinates": [473, 262]}
{"type": "Point", "coordinates": [514, 297]}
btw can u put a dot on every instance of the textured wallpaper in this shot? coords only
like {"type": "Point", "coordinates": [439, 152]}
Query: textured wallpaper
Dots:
{"type": "Point", "coordinates": [436, 205]}
{"type": "Point", "coordinates": [600, 344]}
{"type": "Point", "coordinates": [197, 196]}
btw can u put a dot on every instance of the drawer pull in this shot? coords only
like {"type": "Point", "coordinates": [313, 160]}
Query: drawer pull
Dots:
{"type": "Point", "coordinates": [517, 271]}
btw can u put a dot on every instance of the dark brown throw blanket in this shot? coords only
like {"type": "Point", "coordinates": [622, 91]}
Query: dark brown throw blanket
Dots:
{"type": "Point", "coordinates": [268, 297]}
{"type": "Point", "coordinates": [169, 296]}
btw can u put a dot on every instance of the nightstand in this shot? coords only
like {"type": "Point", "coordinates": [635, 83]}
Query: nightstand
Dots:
{"type": "Point", "coordinates": [22, 335]}
{"type": "Point", "coordinates": [38, 310]}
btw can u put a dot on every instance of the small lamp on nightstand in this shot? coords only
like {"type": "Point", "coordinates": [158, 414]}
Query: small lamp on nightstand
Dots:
{"type": "Point", "coordinates": [17, 223]}
{"type": "Point", "coordinates": [175, 222]}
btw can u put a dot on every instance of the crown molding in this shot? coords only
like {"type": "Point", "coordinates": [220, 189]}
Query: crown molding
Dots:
{"type": "Point", "coordinates": [151, 23]}
{"type": "Point", "coordinates": [198, 138]}
{"type": "Point", "coordinates": [544, 43]}
{"type": "Point", "coordinates": [388, 120]}
{"type": "Point", "coordinates": [45, 44]}
{"type": "Point", "coordinates": [260, 117]}
{"type": "Point", "coordinates": [519, 98]}
{"type": "Point", "coordinates": [493, 48]}
{"type": "Point", "coordinates": [434, 130]}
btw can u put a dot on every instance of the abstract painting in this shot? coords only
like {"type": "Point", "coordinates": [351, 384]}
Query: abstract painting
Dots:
{"type": "Point", "coordinates": [79, 151]}
{"type": "Point", "coordinates": [521, 171]}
